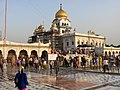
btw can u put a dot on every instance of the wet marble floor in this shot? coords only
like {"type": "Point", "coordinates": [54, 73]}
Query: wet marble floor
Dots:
{"type": "Point", "coordinates": [65, 80]}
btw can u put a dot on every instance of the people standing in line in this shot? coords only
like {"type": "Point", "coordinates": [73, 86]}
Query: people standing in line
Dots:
{"type": "Point", "coordinates": [4, 66]}
{"type": "Point", "coordinates": [100, 63]}
{"type": "Point", "coordinates": [30, 63]}
{"type": "Point", "coordinates": [26, 63]}
{"type": "Point", "coordinates": [74, 62]}
{"type": "Point", "coordinates": [36, 62]}
{"type": "Point", "coordinates": [51, 66]}
{"type": "Point", "coordinates": [77, 62]}
{"type": "Point", "coordinates": [71, 60]}
{"type": "Point", "coordinates": [1, 64]}
{"type": "Point", "coordinates": [83, 62]}
{"type": "Point", "coordinates": [40, 63]}
{"type": "Point", "coordinates": [21, 79]}
{"type": "Point", "coordinates": [105, 65]}
{"type": "Point", "coordinates": [23, 62]}
{"type": "Point", "coordinates": [56, 66]}
{"type": "Point", "coordinates": [117, 63]}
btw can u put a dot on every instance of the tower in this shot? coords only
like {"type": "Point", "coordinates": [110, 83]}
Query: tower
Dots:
{"type": "Point", "coordinates": [62, 22]}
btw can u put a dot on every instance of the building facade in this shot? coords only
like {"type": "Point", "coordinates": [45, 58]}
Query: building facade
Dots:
{"type": "Point", "coordinates": [13, 50]}
{"type": "Point", "coordinates": [61, 36]}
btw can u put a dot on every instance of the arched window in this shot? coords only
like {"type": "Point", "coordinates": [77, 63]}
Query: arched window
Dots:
{"type": "Point", "coordinates": [113, 53]}
{"type": "Point", "coordinates": [109, 53]}
{"type": "Point", "coordinates": [72, 42]}
{"type": "Point", "coordinates": [82, 43]}
{"type": "Point", "coordinates": [78, 42]}
{"type": "Point", "coordinates": [87, 42]}
{"type": "Point", "coordinates": [96, 44]}
{"type": "Point", "coordinates": [99, 44]}
{"type": "Point", "coordinates": [116, 52]}
{"type": "Point", "coordinates": [67, 43]}
{"type": "Point", "coordinates": [62, 31]}
{"type": "Point", "coordinates": [105, 52]}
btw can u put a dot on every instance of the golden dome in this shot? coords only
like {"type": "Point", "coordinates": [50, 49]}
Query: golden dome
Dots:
{"type": "Point", "coordinates": [54, 25]}
{"type": "Point", "coordinates": [61, 13]}
{"type": "Point", "coordinates": [36, 30]}
{"type": "Point", "coordinates": [41, 27]}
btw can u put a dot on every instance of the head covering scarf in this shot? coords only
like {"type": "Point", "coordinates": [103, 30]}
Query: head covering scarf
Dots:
{"type": "Point", "coordinates": [21, 69]}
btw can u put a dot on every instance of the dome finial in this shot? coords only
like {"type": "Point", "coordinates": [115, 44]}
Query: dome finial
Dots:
{"type": "Point", "coordinates": [61, 6]}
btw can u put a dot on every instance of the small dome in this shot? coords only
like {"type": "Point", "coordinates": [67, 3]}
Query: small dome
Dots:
{"type": "Point", "coordinates": [36, 30]}
{"type": "Point", "coordinates": [54, 25]}
{"type": "Point", "coordinates": [41, 27]}
{"type": "Point", "coordinates": [61, 13]}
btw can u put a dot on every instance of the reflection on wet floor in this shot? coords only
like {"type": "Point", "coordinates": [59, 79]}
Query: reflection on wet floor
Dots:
{"type": "Point", "coordinates": [66, 79]}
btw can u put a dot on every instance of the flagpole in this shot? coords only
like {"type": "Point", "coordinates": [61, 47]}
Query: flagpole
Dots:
{"type": "Point", "coordinates": [4, 38]}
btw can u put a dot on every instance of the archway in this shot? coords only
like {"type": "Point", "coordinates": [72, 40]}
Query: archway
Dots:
{"type": "Point", "coordinates": [105, 52]}
{"type": "Point", "coordinates": [33, 54]}
{"type": "Point", "coordinates": [11, 57]}
{"type": "Point", "coordinates": [109, 53]}
{"type": "Point", "coordinates": [45, 55]}
{"type": "Point", "coordinates": [1, 56]}
{"type": "Point", "coordinates": [23, 54]}
{"type": "Point", "coordinates": [113, 53]}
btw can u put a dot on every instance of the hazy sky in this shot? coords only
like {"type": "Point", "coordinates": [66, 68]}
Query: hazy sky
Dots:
{"type": "Point", "coordinates": [23, 16]}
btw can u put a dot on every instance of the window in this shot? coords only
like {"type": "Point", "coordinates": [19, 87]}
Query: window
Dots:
{"type": "Point", "coordinates": [82, 43]}
{"type": "Point", "coordinates": [67, 43]}
{"type": "Point", "coordinates": [86, 42]}
{"type": "Point", "coordinates": [78, 42]}
{"type": "Point", "coordinates": [62, 44]}
{"type": "Point", "coordinates": [72, 42]}
{"type": "Point", "coordinates": [62, 31]}
{"type": "Point", "coordinates": [99, 44]}
{"type": "Point", "coordinates": [96, 44]}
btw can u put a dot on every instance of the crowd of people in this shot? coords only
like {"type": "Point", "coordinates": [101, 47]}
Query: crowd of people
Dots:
{"type": "Point", "coordinates": [107, 63]}
{"type": "Point", "coordinates": [94, 62]}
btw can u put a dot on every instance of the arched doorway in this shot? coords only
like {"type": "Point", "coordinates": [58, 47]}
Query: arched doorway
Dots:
{"type": "Point", "coordinates": [33, 54]}
{"type": "Point", "coordinates": [45, 55]}
{"type": "Point", "coordinates": [113, 53]}
{"type": "Point", "coordinates": [105, 52]}
{"type": "Point", "coordinates": [1, 56]}
{"type": "Point", "coordinates": [11, 57]}
{"type": "Point", "coordinates": [23, 54]}
{"type": "Point", "coordinates": [109, 53]}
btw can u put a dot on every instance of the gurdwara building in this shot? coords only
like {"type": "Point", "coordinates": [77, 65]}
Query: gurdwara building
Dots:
{"type": "Point", "coordinates": [63, 37]}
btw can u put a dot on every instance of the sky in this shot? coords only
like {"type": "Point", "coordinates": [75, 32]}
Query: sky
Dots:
{"type": "Point", "coordinates": [23, 16]}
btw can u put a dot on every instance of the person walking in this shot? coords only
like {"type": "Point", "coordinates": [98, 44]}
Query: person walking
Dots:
{"type": "Point", "coordinates": [56, 66]}
{"type": "Point", "coordinates": [105, 65]}
{"type": "Point", "coordinates": [1, 64]}
{"type": "Point", "coordinates": [21, 79]}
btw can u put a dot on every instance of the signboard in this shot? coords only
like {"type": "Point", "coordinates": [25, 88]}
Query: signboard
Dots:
{"type": "Point", "coordinates": [52, 56]}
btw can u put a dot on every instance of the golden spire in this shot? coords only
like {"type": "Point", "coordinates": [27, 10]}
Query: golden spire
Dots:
{"type": "Point", "coordinates": [61, 6]}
